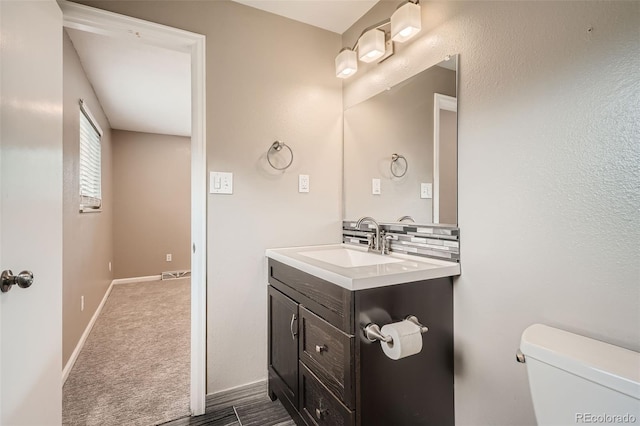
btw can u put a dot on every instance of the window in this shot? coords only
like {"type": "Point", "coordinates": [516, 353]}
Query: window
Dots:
{"type": "Point", "coordinates": [90, 161]}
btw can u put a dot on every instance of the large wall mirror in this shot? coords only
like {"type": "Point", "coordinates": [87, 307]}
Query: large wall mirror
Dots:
{"type": "Point", "coordinates": [400, 150]}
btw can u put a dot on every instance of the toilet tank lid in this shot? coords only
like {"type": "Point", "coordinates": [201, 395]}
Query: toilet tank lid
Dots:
{"type": "Point", "coordinates": [611, 366]}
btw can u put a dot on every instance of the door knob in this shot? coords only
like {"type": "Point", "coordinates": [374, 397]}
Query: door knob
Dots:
{"type": "Point", "coordinates": [24, 280]}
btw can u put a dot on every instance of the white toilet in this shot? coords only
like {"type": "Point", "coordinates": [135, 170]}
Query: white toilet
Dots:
{"type": "Point", "coordinates": [577, 380]}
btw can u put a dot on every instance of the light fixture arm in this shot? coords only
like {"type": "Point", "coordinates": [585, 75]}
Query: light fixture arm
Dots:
{"type": "Point", "coordinates": [381, 24]}
{"type": "Point", "coordinates": [407, 1]}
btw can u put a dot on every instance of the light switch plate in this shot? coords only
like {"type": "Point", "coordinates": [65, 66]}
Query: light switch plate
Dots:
{"type": "Point", "coordinates": [375, 186]}
{"type": "Point", "coordinates": [426, 190]}
{"type": "Point", "coordinates": [303, 183]}
{"type": "Point", "coordinates": [220, 183]}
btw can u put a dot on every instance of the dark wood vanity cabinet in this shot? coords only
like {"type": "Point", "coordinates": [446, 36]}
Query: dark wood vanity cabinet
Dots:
{"type": "Point", "coordinates": [325, 372]}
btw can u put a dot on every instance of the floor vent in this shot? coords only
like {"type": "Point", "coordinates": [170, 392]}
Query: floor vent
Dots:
{"type": "Point", "coordinates": [174, 275]}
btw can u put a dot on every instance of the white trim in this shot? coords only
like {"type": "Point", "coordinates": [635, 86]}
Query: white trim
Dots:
{"type": "Point", "coordinates": [76, 352]}
{"type": "Point", "coordinates": [448, 103]}
{"type": "Point", "coordinates": [110, 24]}
{"type": "Point", "coordinates": [198, 229]}
{"type": "Point", "coordinates": [97, 21]}
{"type": "Point", "coordinates": [137, 279]}
{"type": "Point", "coordinates": [262, 382]}
{"type": "Point", "coordinates": [1, 188]}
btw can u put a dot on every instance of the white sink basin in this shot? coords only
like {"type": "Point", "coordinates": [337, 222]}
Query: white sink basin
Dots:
{"type": "Point", "coordinates": [347, 258]}
{"type": "Point", "coordinates": [353, 268]}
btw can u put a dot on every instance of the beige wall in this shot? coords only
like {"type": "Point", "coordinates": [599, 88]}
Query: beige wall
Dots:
{"type": "Point", "coordinates": [152, 203]}
{"type": "Point", "coordinates": [87, 237]}
{"type": "Point", "coordinates": [548, 179]}
{"type": "Point", "coordinates": [267, 78]}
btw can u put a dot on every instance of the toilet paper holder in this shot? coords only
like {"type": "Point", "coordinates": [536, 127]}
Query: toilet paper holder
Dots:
{"type": "Point", "coordinates": [372, 331]}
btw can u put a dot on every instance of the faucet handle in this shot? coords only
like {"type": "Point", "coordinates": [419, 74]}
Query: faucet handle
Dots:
{"type": "Point", "coordinates": [386, 242]}
{"type": "Point", "coordinates": [370, 241]}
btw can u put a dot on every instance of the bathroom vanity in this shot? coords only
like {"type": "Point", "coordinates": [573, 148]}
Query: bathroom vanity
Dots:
{"type": "Point", "coordinates": [323, 368]}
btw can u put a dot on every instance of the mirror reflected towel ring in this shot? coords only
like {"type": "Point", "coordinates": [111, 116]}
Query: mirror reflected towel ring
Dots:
{"type": "Point", "coordinates": [398, 169]}
{"type": "Point", "coordinates": [277, 147]}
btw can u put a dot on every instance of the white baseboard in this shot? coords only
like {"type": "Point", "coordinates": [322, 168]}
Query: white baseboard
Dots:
{"type": "Point", "coordinates": [137, 279]}
{"type": "Point", "coordinates": [76, 352]}
{"type": "Point", "coordinates": [257, 384]}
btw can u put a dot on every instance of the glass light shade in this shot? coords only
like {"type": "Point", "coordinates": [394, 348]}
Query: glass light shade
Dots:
{"type": "Point", "coordinates": [346, 63]}
{"type": "Point", "coordinates": [371, 45]}
{"type": "Point", "coordinates": [406, 22]}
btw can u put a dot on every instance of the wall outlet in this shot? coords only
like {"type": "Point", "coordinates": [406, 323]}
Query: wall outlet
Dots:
{"type": "Point", "coordinates": [109, 266]}
{"type": "Point", "coordinates": [303, 183]}
{"type": "Point", "coordinates": [168, 257]}
{"type": "Point", "coordinates": [81, 303]}
{"type": "Point", "coordinates": [375, 186]}
{"type": "Point", "coordinates": [426, 190]}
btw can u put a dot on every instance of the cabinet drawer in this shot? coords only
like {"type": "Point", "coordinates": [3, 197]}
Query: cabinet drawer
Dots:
{"type": "Point", "coordinates": [328, 353]}
{"type": "Point", "coordinates": [318, 405]}
{"type": "Point", "coordinates": [331, 302]}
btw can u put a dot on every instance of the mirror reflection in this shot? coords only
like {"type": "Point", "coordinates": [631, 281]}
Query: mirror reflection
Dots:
{"type": "Point", "coordinates": [400, 151]}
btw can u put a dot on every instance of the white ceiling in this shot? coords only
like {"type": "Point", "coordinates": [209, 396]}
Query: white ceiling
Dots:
{"type": "Point", "coordinates": [333, 15]}
{"type": "Point", "coordinates": [144, 88]}
{"type": "Point", "coordinates": [140, 87]}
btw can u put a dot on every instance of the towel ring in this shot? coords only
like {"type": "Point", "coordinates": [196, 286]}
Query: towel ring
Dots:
{"type": "Point", "coordinates": [394, 160]}
{"type": "Point", "coordinates": [277, 147]}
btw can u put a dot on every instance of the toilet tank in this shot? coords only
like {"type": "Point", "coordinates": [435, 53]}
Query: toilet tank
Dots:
{"type": "Point", "coordinates": [577, 380]}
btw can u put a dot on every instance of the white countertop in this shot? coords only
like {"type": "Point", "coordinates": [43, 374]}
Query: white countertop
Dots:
{"type": "Point", "coordinates": [409, 269]}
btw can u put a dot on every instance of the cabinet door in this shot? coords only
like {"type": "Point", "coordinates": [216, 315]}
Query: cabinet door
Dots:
{"type": "Point", "coordinates": [283, 343]}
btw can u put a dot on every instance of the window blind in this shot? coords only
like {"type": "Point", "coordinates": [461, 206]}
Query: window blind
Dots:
{"type": "Point", "coordinates": [90, 161]}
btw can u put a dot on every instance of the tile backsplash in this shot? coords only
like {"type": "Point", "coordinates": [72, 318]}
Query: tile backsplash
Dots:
{"type": "Point", "coordinates": [437, 241]}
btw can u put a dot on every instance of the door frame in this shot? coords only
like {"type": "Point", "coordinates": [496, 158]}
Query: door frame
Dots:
{"type": "Point", "coordinates": [123, 27]}
{"type": "Point", "coordinates": [448, 103]}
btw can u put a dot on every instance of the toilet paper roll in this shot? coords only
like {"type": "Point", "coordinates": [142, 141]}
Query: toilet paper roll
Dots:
{"type": "Point", "coordinates": [407, 339]}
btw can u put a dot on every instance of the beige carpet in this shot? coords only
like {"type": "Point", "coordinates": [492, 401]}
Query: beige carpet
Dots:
{"type": "Point", "coordinates": [134, 367]}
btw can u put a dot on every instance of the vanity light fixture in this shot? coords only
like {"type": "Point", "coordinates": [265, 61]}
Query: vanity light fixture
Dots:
{"type": "Point", "coordinates": [406, 22]}
{"type": "Point", "coordinates": [346, 63]}
{"type": "Point", "coordinates": [376, 42]}
{"type": "Point", "coordinates": [371, 45]}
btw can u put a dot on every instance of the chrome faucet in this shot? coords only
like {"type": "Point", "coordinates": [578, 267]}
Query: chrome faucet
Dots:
{"type": "Point", "coordinates": [375, 244]}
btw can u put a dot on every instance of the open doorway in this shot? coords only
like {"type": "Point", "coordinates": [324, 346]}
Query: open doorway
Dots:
{"type": "Point", "coordinates": [134, 31]}
{"type": "Point", "coordinates": [445, 159]}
